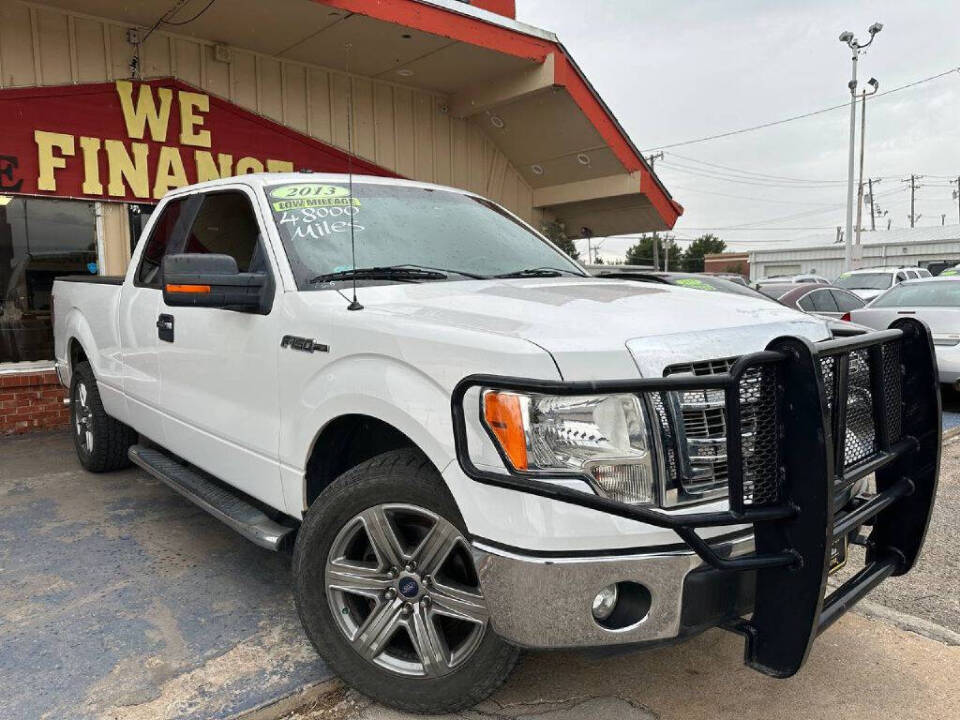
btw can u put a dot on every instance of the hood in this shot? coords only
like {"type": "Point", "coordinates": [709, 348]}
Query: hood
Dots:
{"type": "Point", "coordinates": [600, 329]}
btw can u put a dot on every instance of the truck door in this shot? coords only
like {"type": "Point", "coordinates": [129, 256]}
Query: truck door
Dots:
{"type": "Point", "coordinates": [139, 308]}
{"type": "Point", "coordinates": [218, 367]}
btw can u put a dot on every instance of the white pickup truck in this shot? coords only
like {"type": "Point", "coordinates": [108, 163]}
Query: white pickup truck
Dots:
{"type": "Point", "coordinates": [472, 446]}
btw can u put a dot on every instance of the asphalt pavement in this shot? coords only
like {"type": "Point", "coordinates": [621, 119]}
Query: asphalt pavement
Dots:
{"type": "Point", "coordinates": [119, 599]}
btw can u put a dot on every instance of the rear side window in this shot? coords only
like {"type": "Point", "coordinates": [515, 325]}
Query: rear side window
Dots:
{"type": "Point", "coordinates": [819, 301]}
{"type": "Point", "coordinates": [163, 239]}
{"type": "Point", "coordinates": [226, 225]}
{"type": "Point", "coordinates": [846, 301]}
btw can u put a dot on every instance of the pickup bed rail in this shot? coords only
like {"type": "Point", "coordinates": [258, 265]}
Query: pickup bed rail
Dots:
{"type": "Point", "coordinates": [822, 417]}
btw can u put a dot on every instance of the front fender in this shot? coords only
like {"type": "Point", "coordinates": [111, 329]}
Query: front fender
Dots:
{"type": "Point", "coordinates": [381, 387]}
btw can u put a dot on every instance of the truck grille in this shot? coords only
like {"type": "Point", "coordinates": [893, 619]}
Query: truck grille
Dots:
{"type": "Point", "coordinates": [697, 433]}
{"type": "Point", "coordinates": [693, 424]}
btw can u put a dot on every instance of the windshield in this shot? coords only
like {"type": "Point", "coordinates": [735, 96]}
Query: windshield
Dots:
{"type": "Point", "coordinates": [865, 281]}
{"type": "Point", "coordinates": [921, 294]}
{"type": "Point", "coordinates": [394, 225]}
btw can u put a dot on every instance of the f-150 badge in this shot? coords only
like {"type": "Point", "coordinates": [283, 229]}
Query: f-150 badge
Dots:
{"type": "Point", "coordinates": [303, 344]}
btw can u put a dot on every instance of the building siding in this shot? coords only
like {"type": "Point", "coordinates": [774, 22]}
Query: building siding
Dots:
{"type": "Point", "coordinates": [404, 130]}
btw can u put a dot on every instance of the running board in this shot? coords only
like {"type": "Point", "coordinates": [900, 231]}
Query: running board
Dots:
{"type": "Point", "coordinates": [226, 506]}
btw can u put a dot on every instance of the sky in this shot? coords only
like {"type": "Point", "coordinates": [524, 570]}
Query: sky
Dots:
{"type": "Point", "coordinates": [677, 71]}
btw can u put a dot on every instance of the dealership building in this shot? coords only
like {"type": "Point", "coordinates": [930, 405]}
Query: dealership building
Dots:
{"type": "Point", "coordinates": [108, 104]}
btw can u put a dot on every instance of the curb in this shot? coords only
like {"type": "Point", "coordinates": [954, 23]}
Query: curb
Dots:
{"type": "Point", "coordinates": [951, 433]}
{"type": "Point", "coordinates": [305, 695]}
{"type": "Point", "coordinates": [911, 623]}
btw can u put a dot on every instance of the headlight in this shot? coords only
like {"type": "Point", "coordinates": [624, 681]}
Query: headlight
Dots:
{"type": "Point", "coordinates": [604, 437]}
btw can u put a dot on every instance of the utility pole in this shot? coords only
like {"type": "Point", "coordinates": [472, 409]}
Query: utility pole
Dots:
{"type": "Point", "coordinates": [855, 46]}
{"type": "Point", "coordinates": [956, 195]}
{"type": "Point", "coordinates": [863, 132]}
{"type": "Point", "coordinates": [913, 192]}
{"type": "Point", "coordinates": [656, 251]}
{"type": "Point", "coordinates": [873, 204]}
{"type": "Point", "coordinates": [654, 157]}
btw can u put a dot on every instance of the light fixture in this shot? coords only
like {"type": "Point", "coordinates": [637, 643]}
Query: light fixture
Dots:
{"type": "Point", "coordinates": [536, 169]}
{"type": "Point", "coordinates": [406, 36]}
{"type": "Point", "coordinates": [405, 72]}
{"type": "Point", "coordinates": [583, 159]}
{"type": "Point", "coordinates": [5, 200]}
{"type": "Point", "coordinates": [497, 122]}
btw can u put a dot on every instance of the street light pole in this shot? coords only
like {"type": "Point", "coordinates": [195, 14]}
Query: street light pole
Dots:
{"type": "Point", "coordinates": [855, 46]}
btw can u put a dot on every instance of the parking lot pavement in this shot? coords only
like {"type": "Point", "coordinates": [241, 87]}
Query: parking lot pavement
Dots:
{"type": "Point", "coordinates": [951, 409]}
{"type": "Point", "coordinates": [119, 599]}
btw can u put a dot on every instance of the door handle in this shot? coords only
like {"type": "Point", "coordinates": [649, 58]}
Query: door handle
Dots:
{"type": "Point", "coordinates": [165, 327]}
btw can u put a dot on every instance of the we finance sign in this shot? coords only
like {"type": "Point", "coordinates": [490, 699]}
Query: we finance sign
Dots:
{"type": "Point", "coordinates": [133, 141]}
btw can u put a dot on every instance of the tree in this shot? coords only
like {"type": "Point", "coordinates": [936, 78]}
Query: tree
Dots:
{"type": "Point", "coordinates": [642, 252]}
{"type": "Point", "coordinates": [708, 244]}
{"type": "Point", "coordinates": [557, 234]}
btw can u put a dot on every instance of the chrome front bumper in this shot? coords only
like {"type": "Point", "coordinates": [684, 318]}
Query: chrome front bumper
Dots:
{"type": "Point", "coordinates": [540, 602]}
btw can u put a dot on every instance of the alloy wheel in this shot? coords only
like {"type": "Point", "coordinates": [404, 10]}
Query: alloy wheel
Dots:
{"type": "Point", "coordinates": [83, 417]}
{"type": "Point", "coordinates": [402, 587]}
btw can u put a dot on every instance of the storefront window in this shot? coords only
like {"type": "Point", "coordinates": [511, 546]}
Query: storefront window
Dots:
{"type": "Point", "coordinates": [40, 238]}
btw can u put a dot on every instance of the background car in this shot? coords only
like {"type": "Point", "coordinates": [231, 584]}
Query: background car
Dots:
{"type": "Point", "coordinates": [868, 283]}
{"type": "Point", "coordinates": [697, 281]}
{"type": "Point", "coordinates": [936, 301]}
{"type": "Point", "coordinates": [791, 279]}
{"type": "Point", "coordinates": [713, 283]}
{"type": "Point", "coordinates": [825, 300]}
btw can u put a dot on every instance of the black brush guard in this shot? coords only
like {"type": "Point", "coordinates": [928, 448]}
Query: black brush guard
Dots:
{"type": "Point", "coordinates": [787, 488]}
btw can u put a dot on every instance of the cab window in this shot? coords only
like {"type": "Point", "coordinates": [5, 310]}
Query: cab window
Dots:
{"type": "Point", "coordinates": [226, 225]}
{"type": "Point", "coordinates": [168, 228]}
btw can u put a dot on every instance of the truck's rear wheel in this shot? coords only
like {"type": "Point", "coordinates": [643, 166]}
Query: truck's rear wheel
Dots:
{"type": "Point", "coordinates": [101, 441]}
{"type": "Point", "coordinates": [387, 591]}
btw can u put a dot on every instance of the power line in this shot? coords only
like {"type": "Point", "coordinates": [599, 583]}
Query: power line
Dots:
{"type": "Point", "coordinates": [751, 172]}
{"type": "Point", "coordinates": [746, 197]}
{"type": "Point", "coordinates": [762, 126]}
{"type": "Point", "coordinates": [715, 175]}
{"type": "Point", "coordinates": [195, 17]}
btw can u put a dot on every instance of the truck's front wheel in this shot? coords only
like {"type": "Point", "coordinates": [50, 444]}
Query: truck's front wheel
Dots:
{"type": "Point", "coordinates": [387, 591]}
{"type": "Point", "coordinates": [101, 441]}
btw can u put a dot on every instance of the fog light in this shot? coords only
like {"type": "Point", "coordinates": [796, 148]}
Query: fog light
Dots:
{"type": "Point", "coordinates": [605, 602]}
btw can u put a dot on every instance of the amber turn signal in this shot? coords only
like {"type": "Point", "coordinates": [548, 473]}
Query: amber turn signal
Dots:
{"type": "Point", "coordinates": [504, 417]}
{"type": "Point", "coordinates": [195, 289]}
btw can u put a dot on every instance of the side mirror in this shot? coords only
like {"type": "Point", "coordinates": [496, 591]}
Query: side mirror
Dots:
{"type": "Point", "coordinates": [206, 280]}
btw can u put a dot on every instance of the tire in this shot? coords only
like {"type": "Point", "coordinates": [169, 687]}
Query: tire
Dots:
{"type": "Point", "coordinates": [101, 442]}
{"type": "Point", "coordinates": [404, 488]}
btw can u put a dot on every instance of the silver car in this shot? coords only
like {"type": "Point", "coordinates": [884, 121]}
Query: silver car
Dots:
{"type": "Point", "coordinates": [936, 301]}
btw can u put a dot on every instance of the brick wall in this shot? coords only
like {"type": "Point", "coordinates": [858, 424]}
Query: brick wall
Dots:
{"type": "Point", "coordinates": [31, 401]}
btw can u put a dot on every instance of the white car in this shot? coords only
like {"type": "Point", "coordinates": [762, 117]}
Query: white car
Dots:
{"type": "Point", "coordinates": [473, 446]}
{"type": "Point", "coordinates": [936, 301]}
{"type": "Point", "coordinates": [868, 283]}
{"type": "Point", "coordinates": [791, 279]}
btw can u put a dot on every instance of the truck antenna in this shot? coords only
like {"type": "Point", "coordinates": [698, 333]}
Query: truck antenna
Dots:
{"type": "Point", "coordinates": [354, 303]}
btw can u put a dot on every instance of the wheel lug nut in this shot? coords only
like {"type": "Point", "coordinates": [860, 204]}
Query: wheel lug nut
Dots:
{"type": "Point", "coordinates": [391, 594]}
{"type": "Point", "coordinates": [427, 580]}
{"type": "Point", "coordinates": [394, 572]}
{"type": "Point", "coordinates": [407, 608]}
